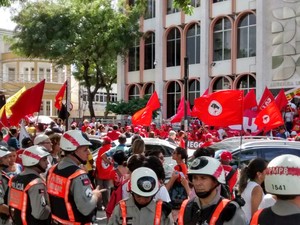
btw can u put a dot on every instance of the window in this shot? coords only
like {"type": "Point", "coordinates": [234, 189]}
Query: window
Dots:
{"type": "Point", "coordinates": [270, 153]}
{"type": "Point", "coordinates": [194, 91]}
{"type": "Point", "coordinates": [134, 92]}
{"type": "Point", "coordinates": [11, 74]}
{"type": "Point", "coordinates": [150, 10]}
{"type": "Point", "coordinates": [170, 8]}
{"type": "Point", "coordinates": [195, 3]}
{"type": "Point", "coordinates": [48, 75]}
{"type": "Point", "coordinates": [149, 90]}
{"type": "Point", "coordinates": [246, 83]}
{"type": "Point", "coordinates": [45, 108]}
{"type": "Point", "coordinates": [173, 98]}
{"type": "Point", "coordinates": [55, 75]}
{"type": "Point", "coordinates": [247, 36]}
{"type": "Point", "coordinates": [222, 40]}
{"type": "Point", "coordinates": [134, 57]}
{"type": "Point", "coordinates": [193, 44]}
{"type": "Point", "coordinates": [41, 73]}
{"type": "Point", "coordinates": [173, 48]}
{"type": "Point", "coordinates": [245, 156]}
{"type": "Point", "coordinates": [215, 1]}
{"type": "Point", "coordinates": [149, 51]}
{"type": "Point", "coordinates": [221, 84]}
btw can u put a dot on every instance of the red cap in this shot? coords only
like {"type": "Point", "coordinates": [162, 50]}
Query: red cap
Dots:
{"type": "Point", "coordinates": [106, 140]}
{"type": "Point", "coordinates": [226, 156]}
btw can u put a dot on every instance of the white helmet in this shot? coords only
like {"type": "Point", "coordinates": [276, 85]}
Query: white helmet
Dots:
{"type": "Point", "coordinates": [3, 151]}
{"type": "Point", "coordinates": [207, 166]}
{"type": "Point", "coordinates": [32, 155]}
{"type": "Point", "coordinates": [144, 182]}
{"type": "Point", "coordinates": [73, 139]}
{"type": "Point", "coordinates": [282, 176]}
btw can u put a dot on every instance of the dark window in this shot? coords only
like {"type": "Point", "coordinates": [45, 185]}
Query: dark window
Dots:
{"type": "Point", "coordinates": [173, 48]}
{"type": "Point", "coordinates": [134, 57]}
{"type": "Point", "coordinates": [149, 51]}
{"type": "Point", "coordinates": [150, 11]}
{"type": "Point", "coordinates": [149, 90]}
{"type": "Point", "coordinates": [270, 153]}
{"type": "Point", "coordinates": [194, 91]}
{"type": "Point", "coordinates": [246, 83]}
{"type": "Point", "coordinates": [247, 36]}
{"type": "Point", "coordinates": [134, 92]}
{"type": "Point", "coordinates": [193, 44]}
{"type": "Point", "coordinates": [222, 40]}
{"type": "Point", "coordinates": [173, 98]}
{"type": "Point", "coordinates": [195, 3]}
{"type": "Point", "coordinates": [244, 156]}
{"type": "Point", "coordinates": [221, 84]}
{"type": "Point", "coordinates": [170, 8]}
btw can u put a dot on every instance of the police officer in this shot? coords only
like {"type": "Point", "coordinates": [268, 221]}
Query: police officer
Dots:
{"type": "Point", "coordinates": [140, 208]}
{"type": "Point", "coordinates": [73, 200]}
{"type": "Point", "coordinates": [208, 207]}
{"type": "Point", "coordinates": [27, 190]}
{"type": "Point", "coordinates": [4, 179]}
{"type": "Point", "coordinates": [282, 180]}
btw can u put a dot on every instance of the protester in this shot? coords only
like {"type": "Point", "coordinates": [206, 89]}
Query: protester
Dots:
{"type": "Point", "coordinates": [28, 199]}
{"type": "Point", "coordinates": [72, 199]}
{"type": "Point", "coordinates": [13, 141]}
{"type": "Point", "coordinates": [172, 137]}
{"type": "Point", "coordinates": [140, 208]}
{"type": "Point", "coordinates": [249, 186]}
{"type": "Point", "coordinates": [208, 207]}
{"type": "Point", "coordinates": [13, 167]}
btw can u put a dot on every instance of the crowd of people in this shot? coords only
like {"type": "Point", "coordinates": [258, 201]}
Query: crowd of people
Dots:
{"type": "Point", "coordinates": [51, 177]}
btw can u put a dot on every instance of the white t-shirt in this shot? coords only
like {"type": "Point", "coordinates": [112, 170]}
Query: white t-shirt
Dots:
{"type": "Point", "coordinates": [162, 194]}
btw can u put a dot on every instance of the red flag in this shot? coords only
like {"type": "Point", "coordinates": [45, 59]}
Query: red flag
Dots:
{"type": "Point", "coordinates": [29, 102]}
{"type": "Point", "coordinates": [281, 100]}
{"type": "Point", "coordinates": [250, 100]}
{"type": "Point", "coordinates": [269, 118]}
{"type": "Point", "coordinates": [222, 108]}
{"type": "Point", "coordinates": [266, 99]}
{"type": "Point", "coordinates": [59, 96]}
{"type": "Point", "coordinates": [180, 111]}
{"type": "Point", "coordinates": [153, 101]}
{"type": "Point", "coordinates": [195, 110]}
{"type": "Point", "coordinates": [144, 116]}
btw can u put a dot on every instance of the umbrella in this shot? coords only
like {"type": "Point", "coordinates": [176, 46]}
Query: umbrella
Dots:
{"type": "Point", "coordinates": [42, 119]}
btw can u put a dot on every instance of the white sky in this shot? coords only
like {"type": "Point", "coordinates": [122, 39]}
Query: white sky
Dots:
{"type": "Point", "coordinates": [5, 21]}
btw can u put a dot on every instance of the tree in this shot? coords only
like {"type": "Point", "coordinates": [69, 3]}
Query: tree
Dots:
{"type": "Point", "coordinates": [88, 34]}
{"type": "Point", "coordinates": [185, 5]}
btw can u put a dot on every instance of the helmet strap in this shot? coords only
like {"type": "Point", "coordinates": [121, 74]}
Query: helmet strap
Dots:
{"type": "Point", "coordinates": [79, 159]}
{"type": "Point", "coordinates": [205, 194]}
{"type": "Point", "coordinates": [41, 168]}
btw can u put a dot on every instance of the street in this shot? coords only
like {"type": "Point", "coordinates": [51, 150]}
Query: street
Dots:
{"type": "Point", "coordinates": [101, 218]}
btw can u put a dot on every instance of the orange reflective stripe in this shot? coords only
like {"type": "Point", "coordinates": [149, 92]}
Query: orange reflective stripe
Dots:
{"type": "Point", "coordinates": [181, 211]}
{"type": "Point", "coordinates": [218, 211]}
{"type": "Point", "coordinates": [123, 211]}
{"type": "Point", "coordinates": [18, 199]}
{"type": "Point", "coordinates": [254, 220]}
{"type": "Point", "coordinates": [60, 186]}
{"type": "Point", "coordinates": [65, 222]}
{"type": "Point", "coordinates": [157, 216]}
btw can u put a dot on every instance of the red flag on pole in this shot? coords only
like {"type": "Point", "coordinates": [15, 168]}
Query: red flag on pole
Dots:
{"type": "Point", "coordinates": [269, 118]}
{"type": "Point", "coordinates": [250, 100]}
{"type": "Point", "coordinates": [59, 96]}
{"type": "Point", "coordinates": [281, 100]}
{"type": "Point", "coordinates": [180, 111]}
{"type": "Point", "coordinates": [144, 116]}
{"type": "Point", "coordinates": [266, 99]}
{"type": "Point", "coordinates": [222, 108]}
{"type": "Point", "coordinates": [29, 102]}
{"type": "Point", "coordinates": [195, 110]}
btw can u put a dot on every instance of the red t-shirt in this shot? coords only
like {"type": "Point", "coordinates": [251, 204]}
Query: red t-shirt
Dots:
{"type": "Point", "coordinates": [114, 134]}
{"type": "Point", "coordinates": [103, 169]}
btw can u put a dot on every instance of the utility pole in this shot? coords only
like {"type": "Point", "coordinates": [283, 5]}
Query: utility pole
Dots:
{"type": "Point", "coordinates": [186, 80]}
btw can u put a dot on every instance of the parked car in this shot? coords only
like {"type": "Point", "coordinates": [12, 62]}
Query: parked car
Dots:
{"type": "Point", "coordinates": [96, 143]}
{"type": "Point", "coordinates": [266, 149]}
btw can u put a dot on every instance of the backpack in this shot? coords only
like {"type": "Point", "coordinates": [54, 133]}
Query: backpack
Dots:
{"type": "Point", "coordinates": [115, 197]}
{"type": "Point", "coordinates": [177, 194]}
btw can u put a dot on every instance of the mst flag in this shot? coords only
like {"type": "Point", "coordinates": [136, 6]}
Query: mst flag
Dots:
{"type": "Point", "coordinates": [269, 118]}
{"type": "Point", "coordinates": [266, 99]}
{"type": "Point", "coordinates": [222, 108]}
{"type": "Point", "coordinates": [250, 100]}
{"type": "Point", "coordinates": [59, 96]}
{"type": "Point", "coordinates": [144, 116]}
{"type": "Point", "coordinates": [29, 102]}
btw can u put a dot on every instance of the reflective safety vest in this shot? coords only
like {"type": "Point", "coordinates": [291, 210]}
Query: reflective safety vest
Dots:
{"type": "Point", "coordinates": [64, 210]}
{"type": "Point", "coordinates": [215, 216]}
{"type": "Point", "coordinates": [19, 205]}
{"type": "Point", "coordinates": [254, 220]}
{"type": "Point", "coordinates": [157, 216]}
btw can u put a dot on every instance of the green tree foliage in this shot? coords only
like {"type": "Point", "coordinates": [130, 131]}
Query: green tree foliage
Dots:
{"type": "Point", "coordinates": [89, 34]}
{"type": "Point", "coordinates": [130, 107]}
{"type": "Point", "coordinates": [185, 5]}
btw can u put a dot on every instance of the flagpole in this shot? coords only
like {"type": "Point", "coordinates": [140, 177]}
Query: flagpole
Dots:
{"type": "Point", "coordinates": [67, 106]}
{"type": "Point", "coordinates": [186, 79]}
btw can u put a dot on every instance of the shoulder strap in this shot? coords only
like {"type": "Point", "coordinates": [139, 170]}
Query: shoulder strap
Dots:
{"type": "Point", "coordinates": [181, 211]}
{"type": "Point", "coordinates": [123, 212]}
{"type": "Point", "coordinates": [222, 204]}
{"type": "Point", "coordinates": [254, 220]}
{"type": "Point", "coordinates": [230, 174]}
{"type": "Point", "coordinates": [158, 210]}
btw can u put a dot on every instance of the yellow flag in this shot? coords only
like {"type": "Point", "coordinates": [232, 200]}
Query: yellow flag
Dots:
{"type": "Point", "coordinates": [11, 101]}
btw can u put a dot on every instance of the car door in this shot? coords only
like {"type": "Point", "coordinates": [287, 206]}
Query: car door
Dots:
{"type": "Point", "coordinates": [244, 156]}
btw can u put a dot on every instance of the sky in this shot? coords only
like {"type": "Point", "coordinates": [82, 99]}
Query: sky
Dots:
{"type": "Point", "coordinates": [5, 21]}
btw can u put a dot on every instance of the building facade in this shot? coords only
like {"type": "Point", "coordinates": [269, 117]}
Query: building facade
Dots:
{"type": "Point", "coordinates": [230, 44]}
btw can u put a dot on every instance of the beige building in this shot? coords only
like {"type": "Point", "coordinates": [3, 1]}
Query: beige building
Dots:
{"type": "Point", "coordinates": [230, 44]}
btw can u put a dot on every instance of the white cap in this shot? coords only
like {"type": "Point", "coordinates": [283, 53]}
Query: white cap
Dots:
{"type": "Point", "coordinates": [40, 138]}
